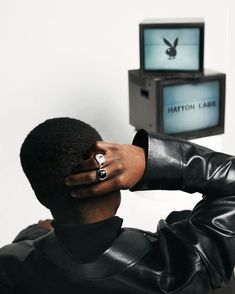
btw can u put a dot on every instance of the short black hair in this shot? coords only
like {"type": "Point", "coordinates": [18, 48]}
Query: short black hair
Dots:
{"type": "Point", "coordinates": [51, 152]}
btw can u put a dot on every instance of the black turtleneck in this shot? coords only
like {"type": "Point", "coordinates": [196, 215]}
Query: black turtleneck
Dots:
{"type": "Point", "coordinates": [85, 242]}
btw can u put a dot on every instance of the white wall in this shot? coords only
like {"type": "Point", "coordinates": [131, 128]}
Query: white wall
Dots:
{"type": "Point", "coordinates": [70, 58]}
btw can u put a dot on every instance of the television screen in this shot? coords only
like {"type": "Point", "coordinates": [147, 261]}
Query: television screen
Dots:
{"type": "Point", "coordinates": [172, 49]}
{"type": "Point", "coordinates": [186, 108]}
{"type": "Point", "coordinates": [172, 45]}
{"type": "Point", "coordinates": [191, 107]}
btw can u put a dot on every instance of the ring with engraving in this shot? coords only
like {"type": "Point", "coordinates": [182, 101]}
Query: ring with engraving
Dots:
{"type": "Point", "coordinates": [101, 174]}
{"type": "Point", "coordinates": [100, 159]}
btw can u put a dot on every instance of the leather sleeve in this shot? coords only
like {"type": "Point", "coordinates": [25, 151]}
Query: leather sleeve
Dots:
{"type": "Point", "coordinates": [210, 228]}
{"type": "Point", "coordinates": [4, 290]}
{"type": "Point", "coordinates": [176, 164]}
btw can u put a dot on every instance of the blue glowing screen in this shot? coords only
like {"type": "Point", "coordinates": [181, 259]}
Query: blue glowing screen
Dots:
{"type": "Point", "coordinates": [190, 107]}
{"type": "Point", "coordinates": [172, 49]}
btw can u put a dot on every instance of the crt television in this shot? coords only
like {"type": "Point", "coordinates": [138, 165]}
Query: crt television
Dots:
{"type": "Point", "coordinates": [187, 108]}
{"type": "Point", "coordinates": [172, 45]}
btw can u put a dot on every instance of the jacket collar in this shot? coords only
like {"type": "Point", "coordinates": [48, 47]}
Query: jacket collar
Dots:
{"type": "Point", "coordinates": [126, 250]}
{"type": "Point", "coordinates": [85, 242]}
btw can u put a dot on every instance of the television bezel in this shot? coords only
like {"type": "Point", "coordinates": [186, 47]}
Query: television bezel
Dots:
{"type": "Point", "coordinates": [215, 130]}
{"type": "Point", "coordinates": [173, 25]}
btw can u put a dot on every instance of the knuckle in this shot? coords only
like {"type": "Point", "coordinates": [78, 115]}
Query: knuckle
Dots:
{"type": "Point", "coordinates": [90, 178]}
{"type": "Point", "coordinates": [119, 166]}
{"type": "Point", "coordinates": [99, 146]}
{"type": "Point", "coordinates": [93, 191]}
{"type": "Point", "coordinates": [71, 180]}
{"type": "Point", "coordinates": [116, 147]}
{"type": "Point", "coordinates": [96, 145]}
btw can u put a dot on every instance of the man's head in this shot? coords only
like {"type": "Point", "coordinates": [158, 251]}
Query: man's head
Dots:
{"type": "Point", "coordinates": [51, 152]}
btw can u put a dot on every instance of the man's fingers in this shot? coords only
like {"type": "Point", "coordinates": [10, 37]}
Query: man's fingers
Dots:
{"type": "Point", "coordinates": [88, 164]}
{"type": "Point", "coordinates": [100, 188]}
{"type": "Point", "coordinates": [124, 166]}
{"type": "Point", "coordinates": [86, 172]}
{"type": "Point", "coordinates": [86, 192]}
{"type": "Point", "coordinates": [81, 179]}
{"type": "Point", "coordinates": [46, 224]}
{"type": "Point", "coordinates": [90, 177]}
{"type": "Point", "coordinates": [92, 163]}
{"type": "Point", "coordinates": [104, 147]}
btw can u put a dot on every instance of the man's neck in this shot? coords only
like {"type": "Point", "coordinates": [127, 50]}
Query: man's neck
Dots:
{"type": "Point", "coordinates": [86, 242]}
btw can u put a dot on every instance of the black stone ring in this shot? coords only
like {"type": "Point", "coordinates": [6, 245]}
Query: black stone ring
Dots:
{"type": "Point", "coordinates": [101, 174]}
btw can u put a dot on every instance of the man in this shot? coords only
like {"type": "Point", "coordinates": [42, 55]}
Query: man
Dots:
{"type": "Point", "coordinates": [88, 251]}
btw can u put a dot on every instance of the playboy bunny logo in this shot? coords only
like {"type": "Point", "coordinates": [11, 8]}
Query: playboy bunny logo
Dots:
{"type": "Point", "coordinates": [171, 51]}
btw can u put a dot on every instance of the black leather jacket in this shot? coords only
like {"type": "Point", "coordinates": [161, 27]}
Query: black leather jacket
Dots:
{"type": "Point", "coordinates": [191, 255]}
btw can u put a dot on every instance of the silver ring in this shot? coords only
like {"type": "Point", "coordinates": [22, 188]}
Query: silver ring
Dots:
{"type": "Point", "coordinates": [101, 174]}
{"type": "Point", "coordinates": [100, 159]}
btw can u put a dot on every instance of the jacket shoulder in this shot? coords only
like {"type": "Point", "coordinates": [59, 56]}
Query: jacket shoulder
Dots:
{"type": "Point", "coordinates": [14, 255]}
{"type": "Point", "coordinates": [12, 260]}
{"type": "Point", "coordinates": [152, 237]}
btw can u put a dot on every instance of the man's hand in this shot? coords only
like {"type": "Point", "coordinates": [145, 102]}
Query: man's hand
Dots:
{"type": "Point", "coordinates": [45, 224]}
{"type": "Point", "coordinates": [124, 166]}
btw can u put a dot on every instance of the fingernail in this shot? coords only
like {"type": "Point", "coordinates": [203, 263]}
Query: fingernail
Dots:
{"type": "Point", "coordinates": [67, 182]}
{"type": "Point", "coordinates": [73, 194]}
